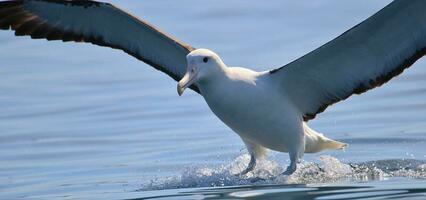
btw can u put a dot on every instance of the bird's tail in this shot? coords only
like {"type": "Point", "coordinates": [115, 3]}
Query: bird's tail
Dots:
{"type": "Point", "coordinates": [316, 142]}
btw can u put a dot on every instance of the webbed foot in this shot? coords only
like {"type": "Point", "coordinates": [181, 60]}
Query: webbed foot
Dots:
{"type": "Point", "coordinates": [290, 170]}
{"type": "Point", "coordinates": [250, 166]}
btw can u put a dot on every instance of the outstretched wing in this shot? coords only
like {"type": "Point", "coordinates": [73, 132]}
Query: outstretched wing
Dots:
{"type": "Point", "coordinates": [98, 23]}
{"type": "Point", "coordinates": [360, 59]}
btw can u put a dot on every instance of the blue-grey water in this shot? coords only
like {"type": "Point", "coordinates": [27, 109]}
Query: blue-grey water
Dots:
{"type": "Point", "coordinates": [84, 122]}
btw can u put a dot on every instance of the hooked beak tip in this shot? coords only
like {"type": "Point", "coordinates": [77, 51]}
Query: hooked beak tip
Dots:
{"type": "Point", "coordinates": [180, 90]}
{"type": "Point", "coordinates": [187, 80]}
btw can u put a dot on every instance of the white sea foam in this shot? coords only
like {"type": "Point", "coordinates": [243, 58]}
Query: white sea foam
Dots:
{"type": "Point", "coordinates": [328, 169]}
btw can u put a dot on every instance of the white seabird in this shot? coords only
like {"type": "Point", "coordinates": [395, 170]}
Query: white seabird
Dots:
{"type": "Point", "coordinates": [268, 110]}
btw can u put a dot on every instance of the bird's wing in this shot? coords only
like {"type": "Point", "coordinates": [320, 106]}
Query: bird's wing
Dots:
{"type": "Point", "coordinates": [362, 58]}
{"type": "Point", "coordinates": [98, 23]}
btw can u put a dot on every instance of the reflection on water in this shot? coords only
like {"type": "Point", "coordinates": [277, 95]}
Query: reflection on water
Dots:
{"type": "Point", "coordinates": [83, 122]}
{"type": "Point", "coordinates": [301, 192]}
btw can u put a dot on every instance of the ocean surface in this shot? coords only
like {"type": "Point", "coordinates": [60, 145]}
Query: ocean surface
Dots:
{"type": "Point", "coordinates": [79, 121]}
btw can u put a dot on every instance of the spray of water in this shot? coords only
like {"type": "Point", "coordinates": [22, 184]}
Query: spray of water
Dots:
{"type": "Point", "coordinates": [328, 169]}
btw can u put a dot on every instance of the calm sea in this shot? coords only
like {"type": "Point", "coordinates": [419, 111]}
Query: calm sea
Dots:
{"type": "Point", "coordinates": [83, 122]}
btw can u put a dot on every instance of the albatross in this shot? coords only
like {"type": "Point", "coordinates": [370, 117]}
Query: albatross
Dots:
{"type": "Point", "coordinates": [267, 109]}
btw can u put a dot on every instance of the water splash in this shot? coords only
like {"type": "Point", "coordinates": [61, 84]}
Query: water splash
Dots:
{"type": "Point", "coordinates": [328, 169]}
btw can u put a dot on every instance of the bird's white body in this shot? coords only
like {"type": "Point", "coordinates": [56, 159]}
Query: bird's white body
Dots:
{"type": "Point", "coordinates": [257, 113]}
{"type": "Point", "coordinates": [261, 114]}
{"type": "Point", "coordinates": [249, 108]}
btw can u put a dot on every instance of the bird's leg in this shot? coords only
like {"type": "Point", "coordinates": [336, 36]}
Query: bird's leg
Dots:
{"type": "Point", "coordinates": [296, 154]}
{"type": "Point", "coordinates": [250, 166]}
{"type": "Point", "coordinates": [293, 164]}
{"type": "Point", "coordinates": [256, 151]}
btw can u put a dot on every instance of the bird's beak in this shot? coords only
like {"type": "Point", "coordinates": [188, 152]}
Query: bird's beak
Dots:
{"type": "Point", "coordinates": [186, 81]}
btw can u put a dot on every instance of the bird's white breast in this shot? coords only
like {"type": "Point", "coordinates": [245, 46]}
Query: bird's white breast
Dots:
{"type": "Point", "coordinates": [245, 102]}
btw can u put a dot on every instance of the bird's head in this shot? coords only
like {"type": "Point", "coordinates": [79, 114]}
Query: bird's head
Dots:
{"type": "Point", "coordinates": [201, 64]}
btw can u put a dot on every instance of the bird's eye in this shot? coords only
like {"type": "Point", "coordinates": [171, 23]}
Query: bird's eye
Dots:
{"type": "Point", "coordinates": [205, 59]}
